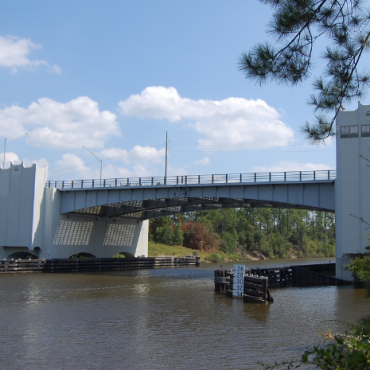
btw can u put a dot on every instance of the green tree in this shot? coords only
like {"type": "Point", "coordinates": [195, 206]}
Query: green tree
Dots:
{"type": "Point", "coordinates": [178, 235]}
{"type": "Point", "coordinates": [297, 26]}
{"type": "Point", "coordinates": [229, 242]}
{"type": "Point", "coordinates": [166, 230]}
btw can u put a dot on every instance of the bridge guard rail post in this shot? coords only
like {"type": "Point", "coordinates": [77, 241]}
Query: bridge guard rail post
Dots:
{"type": "Point", "coordinates": [293, 176]}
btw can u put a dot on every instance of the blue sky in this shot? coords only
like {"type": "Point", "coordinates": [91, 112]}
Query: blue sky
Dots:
{"type": "Point", "coordinates": [114, 76]}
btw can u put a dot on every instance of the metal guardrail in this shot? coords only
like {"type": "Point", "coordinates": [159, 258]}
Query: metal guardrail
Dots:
{"type": "Point", "coordinates": [262, 177]}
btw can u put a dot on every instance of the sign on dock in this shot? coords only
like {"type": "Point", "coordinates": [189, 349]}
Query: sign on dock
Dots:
{"type": "Point", "coordinates": [238, 283]}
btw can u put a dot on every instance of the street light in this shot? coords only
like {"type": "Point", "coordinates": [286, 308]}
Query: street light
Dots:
{"type": "Point", "coordinates": [7, 141]}
{"type": "Point", "coordinates": [98, 159]}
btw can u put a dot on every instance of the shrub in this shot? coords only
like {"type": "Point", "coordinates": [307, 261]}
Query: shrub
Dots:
{"type": "Point", "coordinates": [215, 258]}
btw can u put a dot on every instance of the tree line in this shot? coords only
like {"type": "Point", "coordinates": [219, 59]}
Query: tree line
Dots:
{"type": "Point", "coordinates": [276, 233]}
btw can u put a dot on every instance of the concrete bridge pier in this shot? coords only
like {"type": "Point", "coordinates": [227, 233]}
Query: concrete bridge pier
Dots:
{"type": "Point", "coordinates": [31, 223]}
{"type": "Point", "coordinates": [352, 185]}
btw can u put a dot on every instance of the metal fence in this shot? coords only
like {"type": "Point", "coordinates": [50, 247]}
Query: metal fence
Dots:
{"type": "Point", "coordinates": [261, 177]}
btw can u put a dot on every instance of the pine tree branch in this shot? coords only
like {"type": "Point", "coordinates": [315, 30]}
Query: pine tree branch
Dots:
{"type": "Point", "coordinates": [345, 23]}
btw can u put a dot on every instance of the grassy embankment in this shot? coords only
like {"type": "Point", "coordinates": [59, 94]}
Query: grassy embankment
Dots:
{"type": "Point", "coordinates": [158, 249]}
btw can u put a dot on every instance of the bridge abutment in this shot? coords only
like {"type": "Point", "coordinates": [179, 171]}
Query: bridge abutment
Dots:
{"type": "Point", "coordinates": [31, 223]}
{"type": "Point", "coordinates": [352, 208]}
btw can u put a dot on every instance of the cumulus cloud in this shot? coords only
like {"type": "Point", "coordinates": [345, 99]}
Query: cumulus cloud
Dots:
{"type": "Point", "coordinates": [51, 124]}
{"type": "Point", "coordinates": [71, 166]}
{"type": "Point", "coordinates": [229, 122]}
{"type": "Point", "coordinates": [286, 166]}
{"type": "Point", "coordinates": [138, 152]}
{"type": "Point", "coordinates": [14, 52]}
{"type": "Point", "coordinates": [41, 162]}
{"type": "Point", "coordinates": [203, 161]}
{"type": "Point", "coordinates": [10, 157]}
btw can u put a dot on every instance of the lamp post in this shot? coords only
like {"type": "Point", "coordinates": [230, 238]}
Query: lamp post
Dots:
{"type": "Point", "coordinates": [7, 141]}
{"type": "Point", "coordinates": [98, 159]}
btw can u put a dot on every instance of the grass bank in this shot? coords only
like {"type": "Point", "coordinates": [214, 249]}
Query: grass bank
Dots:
{"type": "Point", "coordinates": [158, 249]}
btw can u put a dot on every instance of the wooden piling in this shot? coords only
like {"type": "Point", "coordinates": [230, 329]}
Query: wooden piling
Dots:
{"type": "Point", "coordinates": [255, 287]}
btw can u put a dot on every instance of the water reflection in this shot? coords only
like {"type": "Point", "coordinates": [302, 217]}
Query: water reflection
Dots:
{"type": "Point", "coordinates": [141, 289]}
{"type": "Point", "coordinates": [257, 311]}
{"type": "Point", "coordinates": [159, 319]}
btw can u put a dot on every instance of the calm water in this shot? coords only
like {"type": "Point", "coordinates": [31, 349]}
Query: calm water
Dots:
{"type": "Point", "coordinates": [160, 319]}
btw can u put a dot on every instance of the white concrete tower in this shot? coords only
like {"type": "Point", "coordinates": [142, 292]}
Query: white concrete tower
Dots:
{"type": "Point", "coordinates": [21, 205]}
{"type": "Point", "coordinates": [31, 223]}
{"type": "Point", "coordinates": [352, 185]}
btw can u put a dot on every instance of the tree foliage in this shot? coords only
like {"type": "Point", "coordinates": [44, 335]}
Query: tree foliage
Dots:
{"type": "Point", "coordinates": [297, 26]}
{"type": "Point", "coordinates": [199, 236]}
{"type": "Point", "coordinates": [276, 233]}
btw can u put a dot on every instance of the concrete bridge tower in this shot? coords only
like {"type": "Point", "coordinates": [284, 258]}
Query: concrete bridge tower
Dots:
{"type": "Point", "coordinates": [31, 223]}
{"type": "Point", "coordinates": [352, 186]}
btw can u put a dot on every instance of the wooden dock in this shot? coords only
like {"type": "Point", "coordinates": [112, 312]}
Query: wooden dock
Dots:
{"type": "Point", "coordinates": [301, 275]}
{"type": "Point", "coordinates": [255, 288]}
{"type": "Point", "coordinates": [256, 283]}
{"type": "Point", "coordinates": [94, 264]}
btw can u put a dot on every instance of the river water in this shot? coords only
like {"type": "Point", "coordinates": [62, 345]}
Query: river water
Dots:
{"type": "Point", "coordinates": [161, 319]}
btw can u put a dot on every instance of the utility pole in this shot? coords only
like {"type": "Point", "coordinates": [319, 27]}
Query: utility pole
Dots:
{"type": "Point", "coordinates": [165, 161]}
{"type": "Point", "coordinates": [6, 141]}
{"type": "Point", "coordinates": [98, 159]}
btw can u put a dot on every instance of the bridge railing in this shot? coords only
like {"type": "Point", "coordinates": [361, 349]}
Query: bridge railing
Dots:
{"type": "Point", "coordinates": [257, 177]}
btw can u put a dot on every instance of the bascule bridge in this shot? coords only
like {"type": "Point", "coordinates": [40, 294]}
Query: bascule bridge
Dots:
{"type": "Point", "coordinates": [56, 219]}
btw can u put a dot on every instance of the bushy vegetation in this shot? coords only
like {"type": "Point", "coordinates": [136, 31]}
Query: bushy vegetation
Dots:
{"type": "Point", "coordinates": [160, 249]}
{"type": "Point", "coordinates": [349, 351]}
{"type": "Point", "coordinates": [276, 233]}
{"type": "Point", "coordinates": [360, 267]}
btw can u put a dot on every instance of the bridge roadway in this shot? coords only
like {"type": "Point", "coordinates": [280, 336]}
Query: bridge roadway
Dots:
{"type": "Point", "coordinates": [150, 197]}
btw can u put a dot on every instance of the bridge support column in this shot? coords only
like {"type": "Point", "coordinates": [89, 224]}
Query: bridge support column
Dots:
{"type": "Point", "coordinates": [103, 237]}
{"type": "Point", "coordinates": [31, 223]}
{"type": "Point", "coordinates": [352, 186]}
{"type": "Point", "coordinates": [21, 203]}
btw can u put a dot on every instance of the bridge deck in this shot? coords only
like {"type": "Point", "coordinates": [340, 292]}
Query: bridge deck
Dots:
{"type": "Point", "coordinates": [148, 198]}
{"type": "Point", "coordinates": [216, 179]}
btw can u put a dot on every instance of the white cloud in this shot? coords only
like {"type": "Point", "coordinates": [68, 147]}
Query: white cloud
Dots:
{"type": "Point", "coordinates": [41, 162]}
{"type": "Point", "coordinates": [138, 162]}
{"type": "Point", "coordinates": [203, 161]}
{"type": "Point", "coordinates": [10, 157]}
{"type": "Point", "coordinates": [286, 166]}
{"type": "Point", "coordinates": [14, 52]}
{"type": "Point", "coordinates": [137, 153]}
{"type": "Point", "coordinates": [112, 171]}
{"type": "Point", "coordinates": [226, 123]}
{"type": "Point", "coordinates": [71, 166]}
{"type": "Point", "coordinates": [55, 125]}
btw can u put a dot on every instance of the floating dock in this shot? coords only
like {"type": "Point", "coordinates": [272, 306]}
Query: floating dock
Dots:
{"type": "Point", "coordinates": [94, 264]}
{"type": "Point", "coordinates": [301, 275]}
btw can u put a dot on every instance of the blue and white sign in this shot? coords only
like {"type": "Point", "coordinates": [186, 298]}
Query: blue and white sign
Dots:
{"type": "Point", "coordinates": [238, 280]}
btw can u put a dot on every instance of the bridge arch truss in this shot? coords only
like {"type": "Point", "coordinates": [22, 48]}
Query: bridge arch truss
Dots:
{"type": "Point", "coordinates": [147, 202]}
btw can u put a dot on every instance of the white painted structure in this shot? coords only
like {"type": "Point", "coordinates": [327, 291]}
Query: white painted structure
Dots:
{"type": "Point", "coordinates": [30, 221]}
{"type": "Point", "coordinates": [352, 185]}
